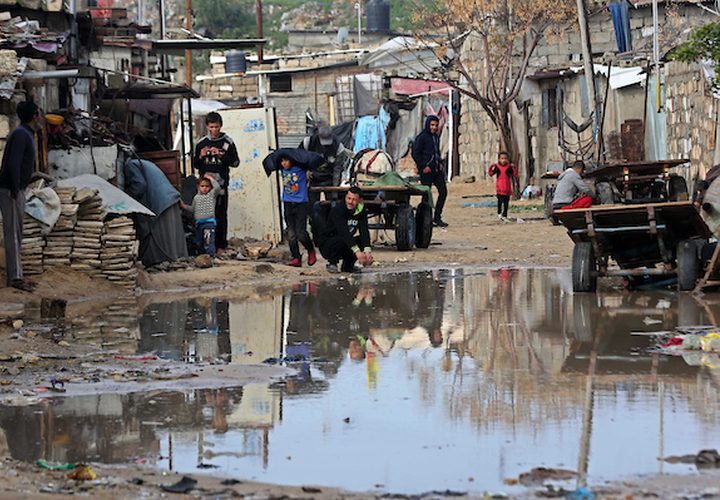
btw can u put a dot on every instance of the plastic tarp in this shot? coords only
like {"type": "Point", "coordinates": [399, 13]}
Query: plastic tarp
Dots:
{"type": "Point", "coordinates": [370, 131]}
{"type": "Point", "coordinates": [43, 205]}
{"type": "Point", "coordinates": [621, 23]}
{"type": "Point", "coordinates": [621, 77]}
{"type": "Point", "coordinates": [394, 179]}
{"type": "Point", "coordinates": [115, 201]}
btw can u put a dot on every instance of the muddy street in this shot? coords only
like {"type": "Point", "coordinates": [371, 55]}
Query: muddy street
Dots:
{"type": "Point", "coordinates": [459, 380]}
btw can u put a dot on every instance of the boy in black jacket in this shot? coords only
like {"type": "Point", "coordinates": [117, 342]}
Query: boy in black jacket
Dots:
{"type": "Point", "coordinates": [216, 154]}
{"type": "Point", "coordinates": [346, 236]}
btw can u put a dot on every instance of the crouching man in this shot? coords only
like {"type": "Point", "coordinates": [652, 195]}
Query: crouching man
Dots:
{"type": "Point", "coordinates": [571, 190]}
{"type": "Point", "coordinates": [345, 236]}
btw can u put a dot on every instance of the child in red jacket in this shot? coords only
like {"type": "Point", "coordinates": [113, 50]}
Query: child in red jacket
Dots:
{"type": "Point", "coordinates": [504, 171]}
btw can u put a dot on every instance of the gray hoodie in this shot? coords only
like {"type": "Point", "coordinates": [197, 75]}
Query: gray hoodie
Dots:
{"type": "Point", "coordinates": [569, 186]}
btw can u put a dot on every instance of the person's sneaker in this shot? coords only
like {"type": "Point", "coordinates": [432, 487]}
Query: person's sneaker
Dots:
{"type": "Point", "coordinates": [22, 285]}
{"type": "Point", "coordinates": [295, 263]}
{"type": "Point", "coordinates": [332, 268]}
{"type": "Point", "coordinates": [441, 223]}
{"type": "Point", "coordinates": [500, 216]}
{"type": "Point", "coordinates": [312, 258]}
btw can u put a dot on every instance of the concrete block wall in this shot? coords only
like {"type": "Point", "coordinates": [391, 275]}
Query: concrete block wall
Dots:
{"type": "Point", "coordinates": [691, 116]}
{"type": "Point", "coordinates": [230, 87]}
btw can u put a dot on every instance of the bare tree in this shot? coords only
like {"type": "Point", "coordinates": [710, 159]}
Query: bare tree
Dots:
{"type": "Point", "coordinates": [508, 32]}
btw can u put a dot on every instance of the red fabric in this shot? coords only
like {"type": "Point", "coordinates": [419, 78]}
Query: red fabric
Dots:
{"type": "Point", "coordinates": [673, 342]}
{"type": "Point", "coordinates": [583, 201]}
{"type": "Point", "coordinates": [503, 184]}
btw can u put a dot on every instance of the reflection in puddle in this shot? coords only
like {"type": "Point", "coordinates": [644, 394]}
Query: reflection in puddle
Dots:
{"type": "Point", "coordinates": [415, 382]}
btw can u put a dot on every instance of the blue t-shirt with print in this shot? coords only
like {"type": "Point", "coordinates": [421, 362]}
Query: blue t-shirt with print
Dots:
{"type": "Point", "coordinates": [294, 182]}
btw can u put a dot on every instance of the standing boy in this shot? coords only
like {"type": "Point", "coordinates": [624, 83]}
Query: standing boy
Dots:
{"type": "Point", "coordinates": [426, 153]}
{"type": "Point", "coordinates": [17, 167]}
{"type": "Point", "coordinates": [203, 210]}
{"type": "Point", "coordinates": [216, 153]}
{"type": "Point", "coordinates": [295, 207]}
{"type": "Point", "coordinates": [504, 171]}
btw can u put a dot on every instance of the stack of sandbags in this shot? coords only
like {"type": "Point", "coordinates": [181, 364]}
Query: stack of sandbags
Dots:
{"type": "Point", "coordinates": [59, 242]}
{"type": "Point", "coordinates": [32, 245]}
{"type": "Point", "coordinates": [88, 231]}
{"type": "Point", "coordinates": [119, 252]}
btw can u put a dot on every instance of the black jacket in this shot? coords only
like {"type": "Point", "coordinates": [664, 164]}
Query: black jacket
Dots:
{"type": "Point", "coordinates": [426, 148]}
{"type": "Point", "coordinates": [352, 227]}
{"type": "Point", "coordinates": [219, 164]}
{"type": "Point", "coordinates": [332, 167]}
{"type": "Point", "coordinates": [18, 160]}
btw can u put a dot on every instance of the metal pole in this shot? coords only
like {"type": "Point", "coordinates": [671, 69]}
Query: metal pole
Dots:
{"type": "Point", "coordinates": [259, 23]}
{"type": "Point", "coordinates": [190, 132]}
{"type": "Point", "coordinates": [182, 138]}
{"type": "Point", "coordinates": [163, 57]}
{"type": "Point", "coordinates": [188, 54]}
{"type": "Point", "coordinates": [656, 53]}
{"type": "Point", "coordinates": [587, 59]}
{"type": "Point", "coordinates": [358, 8]}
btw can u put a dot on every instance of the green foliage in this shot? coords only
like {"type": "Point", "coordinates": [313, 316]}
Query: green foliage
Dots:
{"type": "Point", "coordinates": [703, 44]}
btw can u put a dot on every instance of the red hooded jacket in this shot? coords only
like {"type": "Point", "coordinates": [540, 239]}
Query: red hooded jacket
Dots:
{"type": "Point", "coordinates": [504, 173]}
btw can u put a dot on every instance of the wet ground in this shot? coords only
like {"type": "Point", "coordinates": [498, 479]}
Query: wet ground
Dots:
{"type": "Point", "coordinates": [444, 380]}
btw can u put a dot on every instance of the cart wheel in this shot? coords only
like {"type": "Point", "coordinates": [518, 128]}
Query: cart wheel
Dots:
{"type": "Point", "coordinates": [423, 225]}
{"type": "Point", "coordinates": [405, 228]}
{"type": "Point", "coordinates": [584, 272]}
{"type": "Point", "coordinates": [605, 193]}
{"type": "Point", "coordinates": [585, 312]}
{"type": "Point", "coordinates": [678, 189]}
{"type": "Point", "coordinates": [688, 265]}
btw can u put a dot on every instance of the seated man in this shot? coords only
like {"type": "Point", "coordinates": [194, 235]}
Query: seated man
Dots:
{"type": "Point", "coordinates": [571, 190]}
{"type": "Point", "coordinates": [345, 235]}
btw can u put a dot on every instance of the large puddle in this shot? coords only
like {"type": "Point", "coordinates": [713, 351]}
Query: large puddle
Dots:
{"type": "Point", "coordinates": [406, 383]}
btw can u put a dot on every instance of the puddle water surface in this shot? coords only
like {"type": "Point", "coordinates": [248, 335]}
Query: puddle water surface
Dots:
{"type": "Point", "coordinates": [409, 383]}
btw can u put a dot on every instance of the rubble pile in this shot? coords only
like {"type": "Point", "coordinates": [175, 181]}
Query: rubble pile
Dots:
{"type": "Point", "coordinates": [119, 250]}
{"type": "Point", "coordinates": [59, 241]}
{"type": "Point", "coordinates": [88, 231]}
{"type": "Point", "coordinates": [31, 247]}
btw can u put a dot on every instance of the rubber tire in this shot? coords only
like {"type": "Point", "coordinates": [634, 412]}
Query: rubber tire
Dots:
{"type": "Point", "coordinates": [688, 265]}
{"type": "Point", "coordinates": [584, 268]}
{"type": "Point", "coordinates": [678, 190]}
{"type": "Point", "coordinates": [423, 225]}
{"type": "Point", "coordinates": [605, 193]}
{"type": "Point", "coordinates": [405, 228]}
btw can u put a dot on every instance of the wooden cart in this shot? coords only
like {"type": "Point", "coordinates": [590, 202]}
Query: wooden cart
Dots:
{"type": "Point", "coordinates": [390, 207]}
{"type": "Point", "coordinates": [646, 241]}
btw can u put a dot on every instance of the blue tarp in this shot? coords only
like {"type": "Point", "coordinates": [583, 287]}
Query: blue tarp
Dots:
{"type": "Point", "coordinates": [370, 131]}
{"type": "Point", "coordinates": [621, 23]}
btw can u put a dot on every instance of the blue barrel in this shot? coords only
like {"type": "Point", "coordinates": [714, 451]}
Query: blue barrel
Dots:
{"type": "Point", "coordinates": [235, 61]}
{"type": "Point", "coordinates": [378, 16]}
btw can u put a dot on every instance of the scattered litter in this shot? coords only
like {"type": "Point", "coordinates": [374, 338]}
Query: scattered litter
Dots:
{"type": "Point", "coordinates": [17, 324]}
{"type": "Point", "coordinates": [82, 473]}
{"type": "Point", "coordinates": [311, 489]}
{"type": "Point", "coordinates": [704, 458]}
{"type": "Point", "coordinates": [399, 260]}
{"type": "Point", "coordinates": [230, 482]}
{"type": "Point", "coordinates": [137, 358]}
{"type": "Point", "coordinates": [185, 485]}
{"type": "Point", "coordinates": [650, 321]}
{"type": "Point", "coordinates": [520, 221]}
{"type": "Point", "coordinates": [539, 475]}
{"type": "Point", "coordinates": [63, 343]}
{"type": "Point", "coordinates": [581, 494]}
{"type": "Point", "coordinates": [62, 466]}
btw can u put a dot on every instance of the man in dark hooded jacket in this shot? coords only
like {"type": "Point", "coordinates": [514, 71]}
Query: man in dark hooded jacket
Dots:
{"type": "Point", "coordinates": [426, 153]}
{"type": "Point", "coordinates": [326, 143]}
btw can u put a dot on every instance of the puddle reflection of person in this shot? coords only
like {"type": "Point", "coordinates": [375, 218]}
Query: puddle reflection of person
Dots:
{"type": "Point", "coordinates": [207, 348]}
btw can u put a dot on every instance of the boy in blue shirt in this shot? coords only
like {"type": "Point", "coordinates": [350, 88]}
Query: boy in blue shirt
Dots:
{"type": "Point", "coordinates": [295, 206]}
